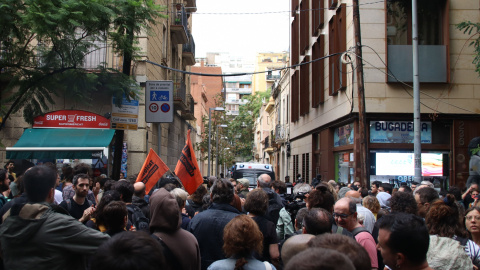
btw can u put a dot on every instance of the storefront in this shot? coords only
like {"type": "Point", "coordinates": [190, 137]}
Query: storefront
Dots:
{"type": "Point", "coordinates": [66, 136]}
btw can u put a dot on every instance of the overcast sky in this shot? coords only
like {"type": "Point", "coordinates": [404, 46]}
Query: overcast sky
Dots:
{"type": "Point", "coordinates": [241, 34]}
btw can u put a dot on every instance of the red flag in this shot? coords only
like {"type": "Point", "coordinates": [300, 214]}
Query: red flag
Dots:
{"type": "Point", "coordinates": [187, 168]}
{"type": "Point", "coordinates": [152, 170]}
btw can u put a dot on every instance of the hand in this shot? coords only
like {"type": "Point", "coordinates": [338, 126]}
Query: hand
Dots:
{"type": "Point", "coordinates": [87, 214]}
{"type": "Point", "coordinates": [184, 211]}
{"type": "Point", "coordinates": [96, 189]}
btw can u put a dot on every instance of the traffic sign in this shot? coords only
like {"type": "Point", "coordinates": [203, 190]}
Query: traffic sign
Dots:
{"type": "Point", "coordinates": [159, 100]}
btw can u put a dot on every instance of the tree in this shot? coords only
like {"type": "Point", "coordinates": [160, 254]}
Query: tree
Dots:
{"type": "Point", "coordinates": [469, 27]}
{"type": "Point", "coordinates": [241, 128]}
{"type": "Point", "coordinates": [44, 45]}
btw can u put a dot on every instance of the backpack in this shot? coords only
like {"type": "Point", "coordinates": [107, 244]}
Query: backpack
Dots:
{"type": "Point", "coordinates": [69, 204]}
{"type": "Point", "coordinates": [359, 230]}
{"type": "Point", "coordinates": [138, 219]}
{"type": "Point", "coordinates": [273, 210]}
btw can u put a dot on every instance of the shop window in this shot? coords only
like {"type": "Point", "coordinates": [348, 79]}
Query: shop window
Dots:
{"type": "Point", "coordinates": [344, 167]}
{"type": "Point", "coordinates": [304, 86]}
{"type": "Point", "coordinates": [318, 70]}
{"type": "Point", "coordinates": [337, 44]}
{"type": "Point", "coordinates": [433, 39]}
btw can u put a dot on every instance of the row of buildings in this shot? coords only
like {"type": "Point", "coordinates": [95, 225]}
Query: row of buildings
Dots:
{"type": "Point", "coordinates": [314, 116]}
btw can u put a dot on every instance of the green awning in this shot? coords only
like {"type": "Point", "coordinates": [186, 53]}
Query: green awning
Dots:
{"type": "Point", "coordinates": [59, 143]}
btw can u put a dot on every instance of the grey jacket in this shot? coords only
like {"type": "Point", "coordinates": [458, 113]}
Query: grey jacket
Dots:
{"type": "Point", "coordinates": [34, 236]}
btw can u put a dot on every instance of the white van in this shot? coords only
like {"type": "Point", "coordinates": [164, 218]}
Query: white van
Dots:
{"type": "Point", "coordinates": [252, 171]}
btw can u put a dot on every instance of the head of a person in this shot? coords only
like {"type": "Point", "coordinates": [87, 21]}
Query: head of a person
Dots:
{"type": "Point", "coordinates": [4, 181]}
{"type": "Point", "coordinates": [403, 202]}
{"type": "Point", "coordinates": [442, 218]}
{"type": "Point", "coordinates": [397, 233]}
{"type": "Point", "coordinates": [287, 179]}
{"type": "Point", "coordinates": [234, 183]}
{"type": "Point", "coordinates": [39, 183]}
{"type": "Point", "coordinates": [413, 185]}
{"type": "Point", "coordinates": [295, 245]}
{"type": "Point", "coordinates": [181, 196]}
{"type": "Point", "coordinates": [279, 187]}
{"type": "Point", "coordinates": [222, 191]}
{"type": "Point", "coordinates": [115, 216]}
{"type": "Point", "coordinates": [424, 198]}
{"type": "Point", "coordinates": [341, 193]}
{"type": "Point", "coordinates": [472, 220]}
{"type": "Point", "coordinates": [405, 189]}
{"type": "Point", "coordinates": [346, 245]}
{"type": "Point", "coordinates": [371, 203]}
{"type": "Point", "coordinates": [108, 197]}
{"type": "Point", "coordinates": [301, 188]}
{"type": "Point", "coordinates": [317, 221]}
{"type": "Point", "coordinates": [345, 213]}
{"type": "Point", "coordinates": [242, 184]}
{"type": "Point", "coordinates": [197, 196]}
{"type": "Point", "coordinates": [125, 189]}
{"type": "Point", "coordinates": [129, 250]}
{"type": "Point", "coordinates": [122, 175]}
{"type": "Point", "coordinates": [375, 186]}
{"type": "Point", "coordinates": [385, 187]}
{"type": "Point", "coordinates": [82, 168]}
{"type": "Point", "coordinates": [139, 189]}
{"type": "Point", "coordinates": [309, 259]}
{"type": "Point", "coordinates": [357, 184]}
{"type": "Point", "coordinates": [456, 192]}
{"type": "Point", "coordinates": [264, 181]}
{"type": "Point", "coordinates": [81, 184]}
{"type": "Point", "coordinates": [10, 165]}
{"type": "Point", "coordinates": [241, 236]}
{"type": "Point", "coordinates": [256, 202]}
{"type": "Point", "coordinates": [301, 213]}
{"type": "Point", "coordinates": [320, 197]}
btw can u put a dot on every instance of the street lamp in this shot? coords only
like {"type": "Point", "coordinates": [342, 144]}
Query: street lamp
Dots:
{"type": "Point", "coordinates": [216, 148]}
{"type": "Point", "coordinates": [210, 132]}
{"type": "Point", "coordinates": [224, 163]}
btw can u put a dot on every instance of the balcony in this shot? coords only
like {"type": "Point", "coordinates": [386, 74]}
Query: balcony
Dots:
{"type": "Point", "coordinates": [280, 133]}
{"type": "Point", "coordinates": [179, 94]}
{"type": "Point", "coordinates": [191, 5]}
{"type": "Point", "coordinates": [235, 113]}
{"type": "Point", "coordinates": [188, 51]}
{"type": "Point", "coordinates": [236, 101]}
{"type": "Point", "coordinates": [243, 91]}
{"type": "Point", "coordinates": [178, 24]}
{"type": "Point", "coordinates": [189, 113]}
{"type": "Point", "coordinates": [273, 75]}
{"type": "Point", "coordinates": [432, 63]}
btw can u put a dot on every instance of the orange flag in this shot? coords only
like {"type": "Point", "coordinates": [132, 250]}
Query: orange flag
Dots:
{"type": "Point", "coordinates": [152, 170]}
{"type": "Point", "coordinates": [187, 168]}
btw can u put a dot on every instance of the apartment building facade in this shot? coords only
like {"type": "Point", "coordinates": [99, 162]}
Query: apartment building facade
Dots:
{"type": "Point", "coordinates": [325, 136]}
{"type": "Point", "coordinates": [170, 44]}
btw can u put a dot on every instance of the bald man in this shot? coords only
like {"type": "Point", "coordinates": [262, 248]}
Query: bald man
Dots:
{"type": "Point", "coordinates": [295, 245]}
{"type": "Point", "coordinates": [369, 221]}
{"type": "Point", "coordinates": [138, 198]}
{"type": "Point", "coordinates": [275, 204]}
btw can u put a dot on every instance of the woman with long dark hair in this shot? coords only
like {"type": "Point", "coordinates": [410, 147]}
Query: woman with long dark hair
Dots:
{"type": "Point", "coordinates": [241, 238]}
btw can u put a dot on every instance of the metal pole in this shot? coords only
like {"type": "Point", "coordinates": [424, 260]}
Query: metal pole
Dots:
{"type": "Point", "coordinates": [416, 98]}
{"type": "Point", "coordinates": [159, 139]}
{"type": "Point", "coordinates": [209, 135]}
{"type": "Point", "coordinates": [216, 155]}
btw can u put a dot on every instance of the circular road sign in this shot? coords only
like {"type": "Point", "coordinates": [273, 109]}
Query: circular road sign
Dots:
{"type": "Point", "coordinates": [153, 107]}
{"type": "Point", "coordinates": [165, 107]}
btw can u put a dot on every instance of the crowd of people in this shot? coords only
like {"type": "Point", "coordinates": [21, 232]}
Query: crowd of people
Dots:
{"type": "Point", "coordinates": [52, 220]}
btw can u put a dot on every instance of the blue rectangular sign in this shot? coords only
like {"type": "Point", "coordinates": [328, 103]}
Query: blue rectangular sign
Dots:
{"type": "Point", "coordinates": [159, 96]}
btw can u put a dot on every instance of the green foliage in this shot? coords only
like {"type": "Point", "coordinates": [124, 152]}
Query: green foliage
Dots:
{"type": "Point", "coordinates": [473, 30]}
{"type": "Point", "coordinates": [44, 45]}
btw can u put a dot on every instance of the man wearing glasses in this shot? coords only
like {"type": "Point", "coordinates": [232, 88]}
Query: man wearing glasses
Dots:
{"type": "Point", "coordinates": [345, 214]}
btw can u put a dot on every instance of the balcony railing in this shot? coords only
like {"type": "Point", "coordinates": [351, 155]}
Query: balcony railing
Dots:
{"type": "Point", "coordinates": [188, 51]}
{"type": "Point", "coordinates": [432, 63]}
{"type": "Point", "coordinates": [239, 90]}
{"type": "Point", "coordinates": [189, 113]}
{"type": "Point", "coordinates": [178, 24]}
{"type": "Point", "coordinates": [179, 93]}
{"type": "Point", "coordinates": [191, 5]}
{"type": "Point", "coordinates": [271, 76]}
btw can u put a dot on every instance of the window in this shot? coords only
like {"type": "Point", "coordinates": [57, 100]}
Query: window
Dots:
{"type": "Point", "coordinates": [304, 86]}
{"type": "Point", "coordinates": [306, 167]}
{"type": "Point", "coordinates": [318, 72]}
{"type": "Point", "coordinates": [433, 39]}
{"type": "Point", "coordinates": [317, 16]}
{"type": "Point", "coordinates": [337, 43]}
{"type": "Point", "coordinates": [295, 94]}
{"type": "Point", "coordinates": [295, 166]}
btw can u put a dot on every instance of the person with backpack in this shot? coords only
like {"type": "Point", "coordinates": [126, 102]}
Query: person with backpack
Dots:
{"type": "Point", "coordinates": [79, 207]}
{"type": "Point", "coordinates": [275, 203]}
{"type": "Point", "coordinates": [135, 214]}
{"type": "Point", "coordinates": [345, 214]}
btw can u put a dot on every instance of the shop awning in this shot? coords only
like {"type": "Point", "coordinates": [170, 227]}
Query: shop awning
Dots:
{"type": "Point", "coordinates": [59, 143]}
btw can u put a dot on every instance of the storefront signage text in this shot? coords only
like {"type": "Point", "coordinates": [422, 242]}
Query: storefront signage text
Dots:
{"type": "Point", "coordinates": [398, 132]}
{"type": "Point", "coordinates": [71, 119]}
